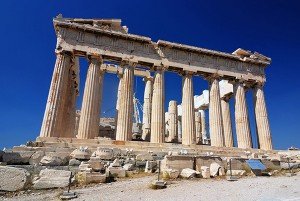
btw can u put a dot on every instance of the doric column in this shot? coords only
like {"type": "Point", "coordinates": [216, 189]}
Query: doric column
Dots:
{"type": "Point", "coordinates": [91, 102]}
{"type": "Point", "coordinates": [198, 127]}
{"type": "Point", "coordinates": [158, 110]}
{"type": "Point", "coordinates": [215, 115]}
{"type": "Point", "coordinates": [179, 130]}
{"type": "Point", "coordinates": [69, 118]}
{"type": "Point", "coordinates": [203, 125]}
{"type": "Point", "coordinates": [173, 121]}
{"type": "Point", "coordinates": [118, 100]}
{"type": "Point", "coordinates": [53, 115]}
{"type": "Point", "coordinates": [228, 137]}
{"type": "Point", "coordinates": [188, 113]}
{"type": "Point", "coordinates": [125, 108]}
{"type": "Point", "coordinates": [262, 121]}
{"type": "Point", "coordinates": [147, 108]}
{"type": "Point", "coordinates": [241, 117]}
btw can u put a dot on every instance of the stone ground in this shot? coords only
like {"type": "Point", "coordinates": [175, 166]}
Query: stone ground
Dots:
{"type": "Point", "coordinates": [249, 188]}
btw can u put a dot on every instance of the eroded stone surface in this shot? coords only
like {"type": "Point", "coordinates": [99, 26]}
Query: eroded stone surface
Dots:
{"type": "Point", "coordinates": [13, 179]}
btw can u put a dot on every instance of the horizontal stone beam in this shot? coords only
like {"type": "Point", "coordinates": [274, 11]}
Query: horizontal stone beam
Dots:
{"type": "Point", "coordinates": [116, 69]}
{"type": "Point", "coordinates": [83, 39]}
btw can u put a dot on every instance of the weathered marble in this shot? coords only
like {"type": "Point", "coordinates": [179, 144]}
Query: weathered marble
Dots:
{"type": "Point", "coordinates": [203, 124]}
{"type": "Point", "coordinates": [158, 110]}
{"type": "Point", "coordinates": [228, 136]}
{"type": "Point", "coordinates": [215, 115]}
{"type": "Point", "coordinates": [172, 120]}
{"type": "Point", "coordinates": [90, 110]}
{"type": "Point", "coordinates": [147, 108]}
{"type": "Point", "coordinates": [241, 117]}
{"type": "Point", "coordinates": [54, 113]}
{"type": "Point", "coordinates": [125, 109]}
{"type": "Point", "coordinates": [262, 121]}
{"type": "Point", "coordinates": [198, 127]}
{"type": "Point", "coordinates": [188, 114]}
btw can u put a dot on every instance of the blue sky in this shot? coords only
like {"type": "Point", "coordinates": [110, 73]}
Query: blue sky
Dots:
{"type": "Point", "coordinates": [271, 27]}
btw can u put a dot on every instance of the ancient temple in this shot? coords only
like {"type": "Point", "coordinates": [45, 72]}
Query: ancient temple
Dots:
{"type": "Point", "coordinates": [103, 42]}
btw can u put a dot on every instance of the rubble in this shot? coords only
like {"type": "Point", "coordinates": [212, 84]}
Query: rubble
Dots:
{"type": "Point", "coordinates": [50, 178]}
{"type": "Point", "coordinates": [82, 153]}
{"type": "Point", "coordinates": [51, 161]}
{"type": "Point", "coordinates": [170, 173]}
{"type": "Point", "coordinates": [189, 173]}
{"type": "Point", "coordinates": [13, 179]}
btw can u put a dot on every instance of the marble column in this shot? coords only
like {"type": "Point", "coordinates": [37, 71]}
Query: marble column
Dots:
{"type": "Point", "coordinates": [53, 115]}
{"type": "Point", "coordinates": [179, 128]}
{"type": "Point", "coordinates": [203, 125]}
{"type": "Point", "coordinates": [188, 113]}
{"type": "Point", "coordinates": [158, 110]}
{"type": "Point", "coordinates": [118, 100]}
{"type": "Point", "coordinates": [125, 108]}
{"type": "Point", "coordinates": [69, 118]}
{"type": "Point", "coordinates": [215, 115]}
{"type": "Point", "coordinates": [147, 108]}
{"type": "Point", "coordinates": [173, 121]}
{"type": "Point", "coordinates": [262, 121]}
{"type": "Point", "coordinates": [241, 117]}
{"type": "Point", "coordinates": [228, 137]}
{"type": "Point", "coordinates": [198, 127]}
{"type": "Point", "coordinates": [91, 102]}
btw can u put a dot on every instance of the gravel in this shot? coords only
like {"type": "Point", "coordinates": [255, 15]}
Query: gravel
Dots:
{"type": "Point", "coordinates": [249, 188]}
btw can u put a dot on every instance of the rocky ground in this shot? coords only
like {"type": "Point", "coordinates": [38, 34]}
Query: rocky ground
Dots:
{"type": "Point", "coordinates": [247, 188]}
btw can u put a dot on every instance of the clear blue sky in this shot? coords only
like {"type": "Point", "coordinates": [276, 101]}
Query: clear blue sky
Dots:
{"type": "Point", "coordinates": [271, 27]}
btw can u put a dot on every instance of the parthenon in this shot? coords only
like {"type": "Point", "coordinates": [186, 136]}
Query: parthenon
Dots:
{"type": "Point", "coordinates": [109, 48]}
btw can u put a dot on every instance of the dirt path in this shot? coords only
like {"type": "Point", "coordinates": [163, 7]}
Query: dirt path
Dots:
{"type": "Point", "coordinates": [256, 188]}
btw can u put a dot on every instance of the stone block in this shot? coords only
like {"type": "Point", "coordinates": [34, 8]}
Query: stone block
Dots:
{"type": "Point", "coordinates": [207, 161]}
{"type": "Point", "coordinates": [214, 169]}
{"type": "Point", "coordinates": [144, 157]}
{"type": "Point", "coordinates": [170, 173]}
{"type": "Point", "coordinates": [236, 173]}
{"type": "Point", "coordinates": [189, 173]}
{"type": "Point", "coordinates": [96, 164]}
{"type": "Point", "coordinates": [115, 163]}
{"type": "Point", "coordinates": [85, 167]}
{"type": "Point", "coordinates": [74, 162]}
{"type": "Point", "coordinates": [50, 178]}
{"type": "Point", "coordinates": [90, 177]}
{"type": "Point", "coordinates": [13, 179]}
{"type": "Point", "coordinates": [81, 154]}
{"type": "Point", "coordinates": [104, 153]}
{"type": "Point", "coordinates": [271, 165]}
{"type": "Point", "coordinates": [51, 161]}
{"type": "Point", "coordinates": [36, 157]}
{"type": "Point", "coordinates": [117, 171]}
{"type": "Point", "coordinates": [17, 158]}
{"type": "Point", "coordinates": [128, 166]}
{"type": "Point", "coordinates": [205, 172]}
{"type": "Point", "coordinates": [177, 162]}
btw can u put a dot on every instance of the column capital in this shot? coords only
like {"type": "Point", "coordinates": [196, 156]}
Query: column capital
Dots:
{"type": "Point", "coordinates": [63, 52]}
{"type": "Point", "coordinates": [211, 77]}
{"type": "Point", "coordinates": [95, 59]}
{"type": "Point", "coordinates": [130, 63]}
{"type": "Point", "coordinates": [187, 73]}
{"type": "Point", "coordinates": [258, 85]}
{"type": "Point", "coordinates": [160, 68]}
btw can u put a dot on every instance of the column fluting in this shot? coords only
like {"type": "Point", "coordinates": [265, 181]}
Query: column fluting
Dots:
{"type": "Point", "coordinates": [158, 110]}
{"type": "Point", "coordinates": [262, 121]}
{"type": "Point", "coordinates": [188, 112]}
{"type": "Point", "coordinates": [53, 115]}
{"type": "Point", "coordinates": [241, 117]}
{"type": "Point", "coordinates": [125, 107]}
{"type": "Point", "coordinates": [228, 136]}
{"type": "Point", "coordinates": [215, 115]}
{"type": "Point", "coordinates": [91, 102]}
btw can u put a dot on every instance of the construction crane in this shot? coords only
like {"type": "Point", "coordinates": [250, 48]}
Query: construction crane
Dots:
{"type": "Point", "coordinates": [137, 124]}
